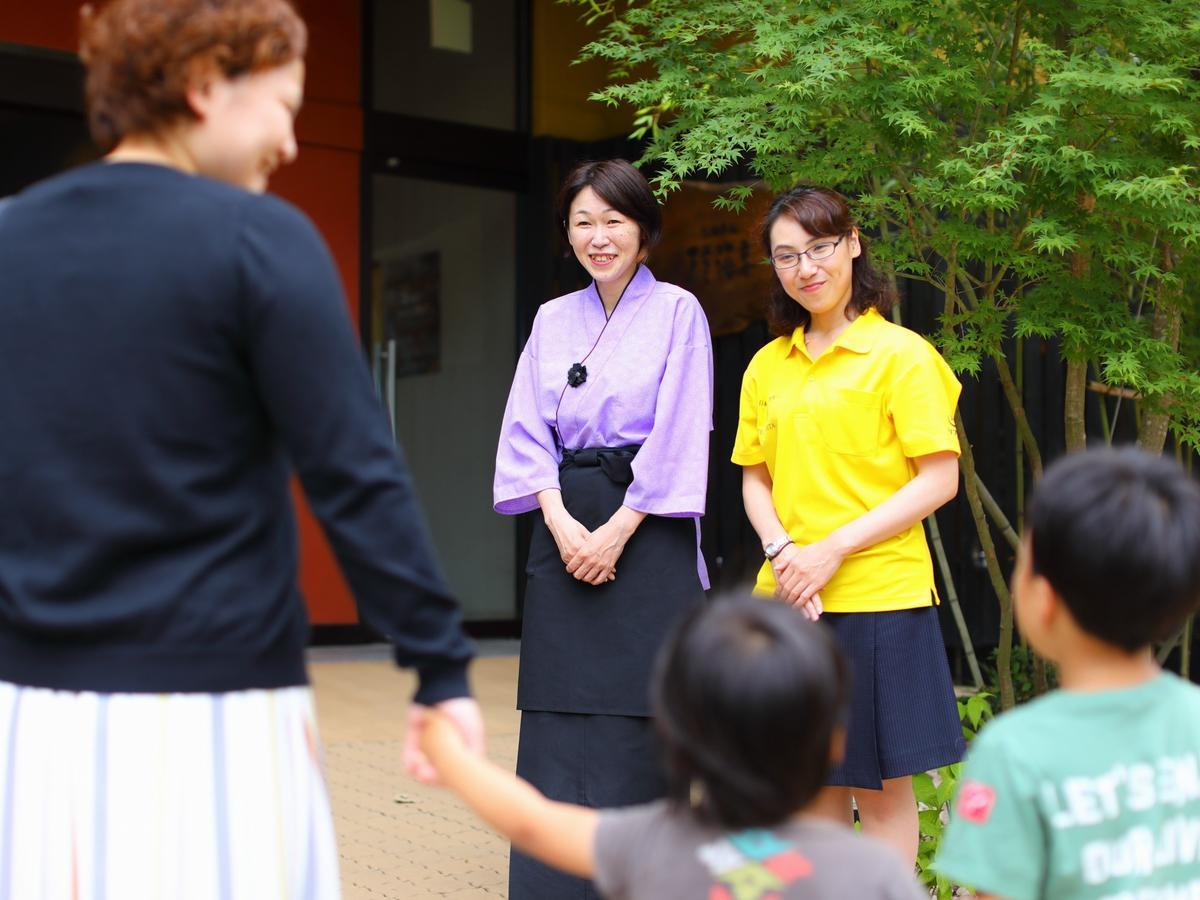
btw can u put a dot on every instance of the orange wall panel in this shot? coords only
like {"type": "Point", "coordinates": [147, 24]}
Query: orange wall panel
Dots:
{"type": "Point", "coordinates": [47, 23]}
{"type": "Point", "coordinates": [324, 182]}
{"type": "Point", "coordinates": [334, 59]}
{"type": "Point", "coordinates": [333, 37]}
{"type": "Point", "coordinates": [329, 599]}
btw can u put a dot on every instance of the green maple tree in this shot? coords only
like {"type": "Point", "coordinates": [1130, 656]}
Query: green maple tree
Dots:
{"type": "Point", "coordinates": [1035, 162]}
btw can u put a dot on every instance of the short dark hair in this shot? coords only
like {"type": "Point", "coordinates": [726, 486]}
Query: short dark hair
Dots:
{"type": "Point", "coordinates": [619, 184]}
{"type": "Point", "coordinates": [747, 695]}
{"type": "Point", "coordinates": [139, 55]}
{"type": "Point", "coordinates": [822, 213]}
{"type": "Point", "coordinates": [1116, 533]}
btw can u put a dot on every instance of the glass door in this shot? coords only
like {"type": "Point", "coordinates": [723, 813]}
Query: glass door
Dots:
{"type": "Point", "coordinates": [441, 323]}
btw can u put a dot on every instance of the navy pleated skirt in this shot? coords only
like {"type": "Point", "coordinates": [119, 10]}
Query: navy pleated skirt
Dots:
{"type": "Point", "coordinates": [903, 715]}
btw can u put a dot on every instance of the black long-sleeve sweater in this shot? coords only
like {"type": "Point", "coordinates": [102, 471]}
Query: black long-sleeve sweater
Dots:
{"type": "Point", "coordinates": [170, 348]}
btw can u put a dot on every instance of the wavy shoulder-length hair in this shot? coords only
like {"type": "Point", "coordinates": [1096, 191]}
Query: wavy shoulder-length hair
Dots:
{"type": "Point", "coordinates": [822, 213]}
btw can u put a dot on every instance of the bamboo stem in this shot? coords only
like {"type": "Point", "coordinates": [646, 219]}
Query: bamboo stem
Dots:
{"type": "Point", "coordinates": [1020, 446]}
{"type": "Point", "coordinates": [1165, 648]}
{"type": "Point", "coordinates": [1105, 424]}
{"type": "Point", "coordinates": [998, 518]}
{"type": "Point", "coordinates": [1004, 650]}
{"type": "Point", "coordinates": [1018, 411]}
{"type": "Point", "coordinates": [939, 552]}
{"type": "Point", "coordinates": [1185, 651]}
{"type": "Point", "coordinates": [1099, 387]}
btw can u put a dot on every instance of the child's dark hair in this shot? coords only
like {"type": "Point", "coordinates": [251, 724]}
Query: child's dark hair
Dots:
{"type": "Point", "coordinates": [1116, 533]}
{"type": "Point", "coordinates": [822, 213]}
{"type": "Point", "coordinates": [747, 696]}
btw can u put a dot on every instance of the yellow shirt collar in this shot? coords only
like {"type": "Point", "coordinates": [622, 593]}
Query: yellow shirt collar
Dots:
{"type": "Point", "coordinates": [859, 337]}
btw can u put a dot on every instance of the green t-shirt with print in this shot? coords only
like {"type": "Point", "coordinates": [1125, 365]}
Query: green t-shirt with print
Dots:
{"type": "Point", "coordinates": [1083, 795]}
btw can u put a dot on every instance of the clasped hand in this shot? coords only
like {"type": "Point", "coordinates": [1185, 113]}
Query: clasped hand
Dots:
{"type": "Point", "coordinates": [590, 556]}
{"type": "Point", "coordinates": [802, 571]}
{"type": "Point", "coordinates": [595, 561]}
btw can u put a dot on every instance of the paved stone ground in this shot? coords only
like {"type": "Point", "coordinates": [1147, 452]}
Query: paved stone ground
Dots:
{"type": "Point", "coordinates": [398, 838]}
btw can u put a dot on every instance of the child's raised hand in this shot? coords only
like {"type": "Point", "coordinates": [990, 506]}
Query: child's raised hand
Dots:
{"type": "Point", "coordinates": [433, 732]}
{"type": "Point", "coordinates": [439, 735]}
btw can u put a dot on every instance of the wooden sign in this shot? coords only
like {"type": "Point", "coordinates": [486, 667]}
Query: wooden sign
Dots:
{"type": "Point", "coordinates": [716, 255]}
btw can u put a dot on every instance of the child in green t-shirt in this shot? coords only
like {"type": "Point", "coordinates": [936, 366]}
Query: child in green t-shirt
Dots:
{"type": "Point", "coordinates": [1094, 789]}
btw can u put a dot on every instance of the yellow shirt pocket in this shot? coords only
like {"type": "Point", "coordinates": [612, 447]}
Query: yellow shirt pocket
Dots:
{"type": "Point", "coordinates": [848, 421]}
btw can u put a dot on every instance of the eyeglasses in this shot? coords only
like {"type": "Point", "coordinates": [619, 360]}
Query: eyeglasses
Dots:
{"type": "Point", "coordinates": [790, 260]}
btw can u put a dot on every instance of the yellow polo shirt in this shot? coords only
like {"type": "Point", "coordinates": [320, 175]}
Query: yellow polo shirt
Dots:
{"type": "Point", "coordinates": [839, 435]}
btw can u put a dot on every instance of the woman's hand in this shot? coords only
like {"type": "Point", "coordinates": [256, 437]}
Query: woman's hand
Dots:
{"type": "Point", "coordinates": [802, 571]}
{"type": "Point", "coordinates": [595, 562]}
{"type": "Point", "coordinates": [569, 536]}
{"type": "Point", "coordinates": [459, 724]}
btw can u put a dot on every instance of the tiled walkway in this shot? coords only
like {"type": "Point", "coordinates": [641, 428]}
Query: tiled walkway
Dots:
{"type": "Point", "coordinates": [398, 838]}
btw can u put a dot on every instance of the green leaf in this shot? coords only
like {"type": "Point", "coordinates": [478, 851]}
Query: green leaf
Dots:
{"type": "Point", "coordinates": [925, 790]}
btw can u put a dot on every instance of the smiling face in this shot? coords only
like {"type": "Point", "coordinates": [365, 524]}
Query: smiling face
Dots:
{"type": "Point", "coordinates": [246, 125]}
{"type": "Point", "coordinates": [606, 242]}
{"type": "Point", "coordinates": [823, 287]}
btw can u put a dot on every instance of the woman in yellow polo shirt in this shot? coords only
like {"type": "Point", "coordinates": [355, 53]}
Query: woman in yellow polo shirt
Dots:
{"type": "Point", "coordinates": [847, 441]}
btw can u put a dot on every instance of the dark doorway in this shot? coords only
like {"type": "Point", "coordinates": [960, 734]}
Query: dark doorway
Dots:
{"type": "Point", "coordinates": [42, 125]}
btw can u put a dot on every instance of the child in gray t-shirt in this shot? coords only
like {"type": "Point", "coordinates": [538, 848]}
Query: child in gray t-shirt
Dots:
{"type": "Point", "coordinates": [748, 697]}
{"type": "Point", "coordinates": [655, 851]}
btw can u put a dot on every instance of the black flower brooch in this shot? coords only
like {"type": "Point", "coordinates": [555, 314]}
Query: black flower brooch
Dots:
{"type": "Point", "coordinates": [577, 374]}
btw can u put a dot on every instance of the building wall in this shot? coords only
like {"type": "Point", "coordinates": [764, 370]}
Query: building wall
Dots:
{"type": "Point", "coordinates": [559, 104]}
{"type": "Point", "coordinates": [51, 23]}
{"type": "Point", "coordinates": [324, 182]}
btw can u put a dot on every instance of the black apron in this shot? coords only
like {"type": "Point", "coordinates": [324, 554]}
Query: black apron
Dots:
{"type": "Point", "coordinates": [596, 761]}
{"type": "Point", "coordinates": [588, 648]}
{"type": "Point", "coordinates": [586, 657]}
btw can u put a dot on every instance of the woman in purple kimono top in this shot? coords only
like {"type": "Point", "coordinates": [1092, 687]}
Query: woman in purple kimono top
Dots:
{"type": "Point", "coordinates": [606, 431]}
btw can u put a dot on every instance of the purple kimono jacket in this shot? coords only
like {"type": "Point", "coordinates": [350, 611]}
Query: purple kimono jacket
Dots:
{"type": "Point", "coordinates": [650, 382]}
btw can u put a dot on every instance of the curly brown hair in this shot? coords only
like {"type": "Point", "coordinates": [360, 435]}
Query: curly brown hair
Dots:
{"type": "Point", "coordinates": [140, 55]}
{"type": "Point", "coordinates": [822, 213]}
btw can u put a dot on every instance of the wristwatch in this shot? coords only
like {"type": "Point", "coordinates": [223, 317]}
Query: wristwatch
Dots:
{"type": "Point", "coordinates": [776, 546]}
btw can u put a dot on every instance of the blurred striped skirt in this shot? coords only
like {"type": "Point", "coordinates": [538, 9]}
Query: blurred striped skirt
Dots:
{"type": "Point", "coordinates": [179, 796]}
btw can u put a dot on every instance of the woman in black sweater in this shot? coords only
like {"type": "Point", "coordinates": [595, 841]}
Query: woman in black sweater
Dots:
{"type": "Point", "coordinates": [173, 343]}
